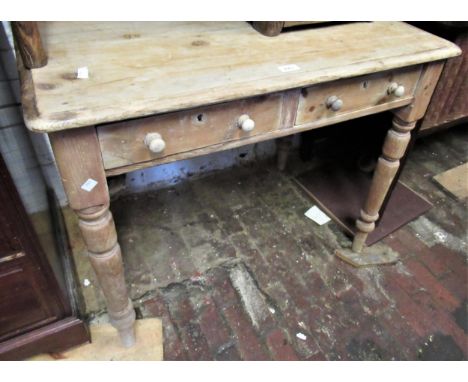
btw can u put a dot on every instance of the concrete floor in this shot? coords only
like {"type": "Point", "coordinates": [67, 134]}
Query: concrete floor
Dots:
{"type": "Point", "coordinates": [237, 271]}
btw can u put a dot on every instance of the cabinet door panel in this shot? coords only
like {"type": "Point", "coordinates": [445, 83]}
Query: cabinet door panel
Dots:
{"type": "Point", "coordinates": [29, 293]}
{"type": "Point", "coordinates": [22, 307]}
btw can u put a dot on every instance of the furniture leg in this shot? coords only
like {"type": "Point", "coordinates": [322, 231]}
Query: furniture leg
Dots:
{"type": "Point", "coordinates": [98, 229]}
{"type": "Point", "coordinates": [79, 161]}
{"type": "Point", "coordinates": [396, 142]}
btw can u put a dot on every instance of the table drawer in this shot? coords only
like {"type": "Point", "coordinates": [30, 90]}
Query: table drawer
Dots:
{"type": "Point", "coordinates": [365, 93]}
{"type": "Point", "coordinates": [128, 142]}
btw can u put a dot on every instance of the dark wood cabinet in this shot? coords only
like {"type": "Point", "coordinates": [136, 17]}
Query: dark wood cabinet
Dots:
{"type": "Point", "coordinates": [35, 315]}
{"type": "Point", "coordinates": [449, 102]}
{"type": "Point", "coordinates": [23, 303]}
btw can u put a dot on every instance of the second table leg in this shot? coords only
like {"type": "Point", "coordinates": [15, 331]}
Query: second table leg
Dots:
{"type": "Point", "coordinates": [396, 142]}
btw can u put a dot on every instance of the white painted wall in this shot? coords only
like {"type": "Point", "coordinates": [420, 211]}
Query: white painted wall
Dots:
{"type": "Point", "coordinates": [172, 173]}
{"type": "Point", "coordinates": [27, 155]}
{"type": "Point", "coordinates": [15, 146]}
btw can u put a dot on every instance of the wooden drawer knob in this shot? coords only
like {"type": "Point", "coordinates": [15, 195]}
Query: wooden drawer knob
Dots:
{"type": "Point", "coordinates": [334, 103]}
{"type": "Point", "coordinates": [396, 90]}
{"type": "Point", "coordinates": [246, 123]}
{"type": "Point", "coordinates": [155, 142]}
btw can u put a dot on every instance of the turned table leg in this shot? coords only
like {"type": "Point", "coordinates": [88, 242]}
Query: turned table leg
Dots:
{"type": "Point", "coordinates": [395, 145]}
{"type": "Point", "coordinates": [79, 161]}
{"type": "Point", "coordinates": [98, 229]}
{"type": "Point", "coordinates": [396, 142]}
{"type": "Point", "coordinates": [394, 148]}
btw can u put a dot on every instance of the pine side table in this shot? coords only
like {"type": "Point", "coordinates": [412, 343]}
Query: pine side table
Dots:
{"type": "Point", "coordinates": [119, 96]}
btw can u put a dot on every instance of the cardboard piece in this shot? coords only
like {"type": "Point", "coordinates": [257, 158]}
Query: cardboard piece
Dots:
{"type": "Point", "coordinates": [106, 345]}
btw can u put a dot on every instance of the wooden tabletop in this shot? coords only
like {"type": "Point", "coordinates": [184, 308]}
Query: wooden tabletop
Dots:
{"type": "Point", "coordinates": [142, 68]}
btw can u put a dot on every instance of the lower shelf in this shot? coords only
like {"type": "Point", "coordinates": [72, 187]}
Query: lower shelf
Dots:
{"type": "Point", "coordinates": [341, 192]}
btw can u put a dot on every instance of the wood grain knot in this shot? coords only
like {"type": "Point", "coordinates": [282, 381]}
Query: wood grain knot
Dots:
{"type": "Point", "coordinates": [200, 43]}
{"type": "Point", "coordinates": [46, 86]}
{"type": "Point", "coordinates": [130, 36]}
{"type": "Point", "coordinates": [69, 76]}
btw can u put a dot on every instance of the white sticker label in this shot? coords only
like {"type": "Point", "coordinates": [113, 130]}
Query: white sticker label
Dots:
{"type": "Point", "coordinates": [317, 215]}
{"type": "Point", "coordinates": [301, 336]}
{"type": "Point", "coordinates": [82, 73]}
{"type": "Point", "coordinates": [89, 185]}
{"type": "Point", "coordinates": [288, 68]}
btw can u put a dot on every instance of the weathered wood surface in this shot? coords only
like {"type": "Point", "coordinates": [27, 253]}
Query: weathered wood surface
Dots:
{"type": "Point", "coordinates": [29, 43]}
{"type": "Point", "coordinates": [423, 93]}
{"type": "Point", "coordinates": [79, 160]}
{"type": "Point", "coordinates": [122, 143]}
{"type": "Point", "coordinates": [286, 129]}
{"type": "Point", "coordinates": [140, 69]}
{"type": "Point", "coordinates": [356, 93]}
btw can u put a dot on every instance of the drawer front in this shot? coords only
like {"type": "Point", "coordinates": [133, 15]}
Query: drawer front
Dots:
{"type": "Point", "coordinates": [123, 143]}
{"type": "Point", "coordinates": [356, 94]}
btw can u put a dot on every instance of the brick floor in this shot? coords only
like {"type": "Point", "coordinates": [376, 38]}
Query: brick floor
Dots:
{"type": "Point", "coordinates": [238, 273]}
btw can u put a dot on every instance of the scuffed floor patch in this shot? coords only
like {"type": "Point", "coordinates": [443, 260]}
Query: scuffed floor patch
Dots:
{"type": "Point", "coordinates": [237, 272]}
{"type": "Point", "coordinates": [252, 299]}
{"type": "Point", "coordinates": [431, 234]}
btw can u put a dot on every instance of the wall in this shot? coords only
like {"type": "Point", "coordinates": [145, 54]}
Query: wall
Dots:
{"type": "Point", "coordinates": [172, 173]}
{"type": "Point", "coordinates": [15, 144]}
